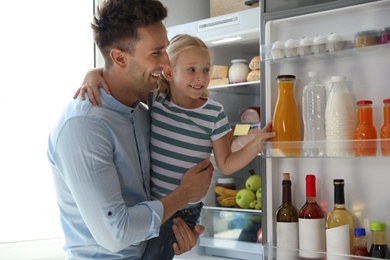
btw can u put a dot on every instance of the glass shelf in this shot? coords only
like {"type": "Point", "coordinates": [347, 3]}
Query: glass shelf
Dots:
{"type": "Point", "coordinates": [234, 230]}
{"type": "Point", "coordinates": [270, 252]}
{"type": "Point", "coordinates": [322, 149]}
{"type": "Point", "coordinates": [246, 88]}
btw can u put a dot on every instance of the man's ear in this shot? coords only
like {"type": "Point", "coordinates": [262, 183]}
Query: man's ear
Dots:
{"type": "Point", "coordinates": [167, 72]}
{"type": "Point", "coordinates": [118, 57]}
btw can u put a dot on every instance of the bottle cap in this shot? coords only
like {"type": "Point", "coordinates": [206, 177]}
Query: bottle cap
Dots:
{"type": "Point", "coordinates": [378, 226]}
{"type": "Point", "coordinates": [364, 102]}
{"type": "Point", "coordinates": [225, 180]}
{"type": "Point", "coordinates": [285, 76]}
{"type": "Point", "coordinates": [387, 100]}
{"type": "Point", "coordinates": [359, 232]}
{"type": "Point", "coordinates": [338, 79]}
{"type": "Point", "coordinates": [310, 185]}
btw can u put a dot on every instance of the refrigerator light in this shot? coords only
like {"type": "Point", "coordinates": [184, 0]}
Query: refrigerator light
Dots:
{"type": "Point", "coordinates": [225, 40]}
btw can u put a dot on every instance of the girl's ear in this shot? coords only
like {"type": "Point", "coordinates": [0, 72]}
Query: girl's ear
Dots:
{"type": "Point", "coordinates": [167, 72]}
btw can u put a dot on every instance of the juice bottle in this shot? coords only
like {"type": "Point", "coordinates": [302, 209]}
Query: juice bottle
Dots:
{"type": "Point", "coordinates": [385, 130]}
{"type": "Point", "coordinates": [286, 122]}
{"type": "Point", "coordinates": [365, 130]}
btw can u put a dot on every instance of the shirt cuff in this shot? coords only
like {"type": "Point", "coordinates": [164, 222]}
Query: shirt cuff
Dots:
{"type": "Point", "coordinates": [157, 212]}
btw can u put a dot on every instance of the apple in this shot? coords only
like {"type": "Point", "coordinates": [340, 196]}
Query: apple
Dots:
{"type": "Point", "coordinates": [244, 198]}
{"type": "Point", "coordinates": [259, 194]}
{"type": "Point", "coordinates": [253, 183]}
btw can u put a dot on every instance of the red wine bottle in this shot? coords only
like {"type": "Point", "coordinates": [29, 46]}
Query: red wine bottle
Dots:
{"type": "Point", "coordinates": [311, 220]}
{"type": "Point", "coordinates": [287, 218]}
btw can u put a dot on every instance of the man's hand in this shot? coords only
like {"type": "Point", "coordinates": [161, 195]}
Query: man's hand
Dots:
{"type": "Point", "coordinates": [186, 238]}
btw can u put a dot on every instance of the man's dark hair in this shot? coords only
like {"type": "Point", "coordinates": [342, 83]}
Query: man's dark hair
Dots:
{"type": "Point", "coordinates": [116, 23]}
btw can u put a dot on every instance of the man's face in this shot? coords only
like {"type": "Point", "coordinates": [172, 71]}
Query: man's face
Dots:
{"type": "Point", "coordinates": [149, 58]}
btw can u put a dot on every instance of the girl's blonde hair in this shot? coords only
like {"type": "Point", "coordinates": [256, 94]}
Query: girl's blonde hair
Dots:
{"type": "Point", "coordinates": [177, 45]}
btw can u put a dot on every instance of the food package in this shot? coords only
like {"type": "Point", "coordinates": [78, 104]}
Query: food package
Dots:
{"type": "Point", "coordinates": [254, 65]}
{"type": "Point", "coordinates": [249, 117]}
{"type": "Point", "coordinates": [218, 75]}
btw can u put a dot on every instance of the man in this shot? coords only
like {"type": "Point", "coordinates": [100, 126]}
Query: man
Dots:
{"type": "Point", "coordinates": [100, 155]}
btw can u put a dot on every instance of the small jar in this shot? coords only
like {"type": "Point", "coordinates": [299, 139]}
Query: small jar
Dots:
{"type": "Point", "coordinates": [238, 71]}
{"type": "Point", "coordinates": [227, 183]}
{"type": "Point", "coordinates": [366, 38]}
{"type": "Point", "coordinates": [385, 36]}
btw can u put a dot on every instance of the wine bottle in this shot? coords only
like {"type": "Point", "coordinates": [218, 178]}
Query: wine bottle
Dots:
{"type": "Point", "coordinates": [311, 221]}
{"type": "Point", "coordinates": [339, 223]}
{"type": "Point", "coordinates": [287, 218]}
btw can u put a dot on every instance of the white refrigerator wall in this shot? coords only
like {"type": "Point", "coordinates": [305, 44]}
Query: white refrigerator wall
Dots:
{"type": "Point", "coordinates": [366, 178]}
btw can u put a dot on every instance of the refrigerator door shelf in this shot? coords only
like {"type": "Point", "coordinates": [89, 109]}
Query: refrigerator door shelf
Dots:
{"type": "Point", "coordinates": [234, 230]}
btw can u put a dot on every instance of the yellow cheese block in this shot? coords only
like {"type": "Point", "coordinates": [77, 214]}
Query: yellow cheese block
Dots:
{"type": "Point", "coordinates": [218, 71]}
{"type": "Point", "coordinates": [241, 129]}
{"type": "Point", "coordinates": [218, 82]}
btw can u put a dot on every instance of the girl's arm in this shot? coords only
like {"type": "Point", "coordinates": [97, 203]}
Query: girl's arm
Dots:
{"type": "Point", "coordinates": [91, 83]}
{"type": "Point", "coordinates": [229, 162]}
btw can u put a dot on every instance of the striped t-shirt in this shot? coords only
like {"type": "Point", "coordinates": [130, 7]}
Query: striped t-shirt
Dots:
{"type": "Point", "coordinates": [180, 139]}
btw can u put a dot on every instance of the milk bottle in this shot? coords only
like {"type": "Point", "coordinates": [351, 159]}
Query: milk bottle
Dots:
{"type": "Point", "coordinates": [339, 119]}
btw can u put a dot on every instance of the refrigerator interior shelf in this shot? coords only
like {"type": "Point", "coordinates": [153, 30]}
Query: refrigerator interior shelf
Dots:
{"type": "Point", "coordinates": [232, 249]}
{"type": "Point", "coordinates": [270, 252]}
{"type": "Point", "coordinates": [324, 149]}
{"type": "Point", "coordinates": [246, 88]}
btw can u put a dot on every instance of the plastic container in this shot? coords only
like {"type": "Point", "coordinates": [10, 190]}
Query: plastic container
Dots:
{"type": "Point", "coordinates": [385, 129]}
{"type": "Point", "coordinates": [366, 38]}
{"type": "Point", "coordinates": [313, 114]}
{"type": "Point", "coordinates": [238, 71]}
{"type": "Point", "coordinates": [385, 36]}
{"type": "Point", "coordinates": [364, 130]}
{"type": "Point", "coordinates": [360, 242]}
{"type": "Point", "coordinates": [339, 119]}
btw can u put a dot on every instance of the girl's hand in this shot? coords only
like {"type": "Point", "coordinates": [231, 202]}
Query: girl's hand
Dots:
{"type": "Point", "coordinates": [91, 83]}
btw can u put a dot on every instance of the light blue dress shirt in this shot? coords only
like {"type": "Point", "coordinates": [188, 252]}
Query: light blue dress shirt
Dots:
{"type": "Point", "coordinates": [100, 162]}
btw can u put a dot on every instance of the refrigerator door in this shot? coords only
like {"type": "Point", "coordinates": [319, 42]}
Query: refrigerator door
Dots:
{"type": "Point", "coordinates": [366, 70]}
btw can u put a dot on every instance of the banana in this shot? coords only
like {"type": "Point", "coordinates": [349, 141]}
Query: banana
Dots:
{"type": "Point", "coordinates": [229, 202]}
{"type": "Point", "coordinates": [225, 192]}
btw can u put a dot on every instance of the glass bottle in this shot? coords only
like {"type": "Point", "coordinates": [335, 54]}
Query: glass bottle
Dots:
{"type": "Point", "coordinates": [311, 220]}
{"type": "Point", "coordinates": [339, 119]}
{"type": "Point", "coordinates": [360, 242]}
{"type": "Point", "coordinates": [385, 129]}
{"type": "Point", "coordinates": [339, 223]}
{"type": "Point", "coordinates": [379, 247]}
{"type": "Point", "coordinates": [364, 130]}
{"type": "Point", "coordinates": [286, 123]}
{"type": "Point", "coordinates": [313, 114]}
{"type": "Point", "coordinates": [287, 218]}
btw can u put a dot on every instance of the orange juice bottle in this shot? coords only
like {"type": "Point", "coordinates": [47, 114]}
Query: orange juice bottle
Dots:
{"type": "Point", "coordinates": [364, 130]}
{"type": "Point", "coordinates": [385, 130]}
{"type": "Point", "coordinates": [286, 122]}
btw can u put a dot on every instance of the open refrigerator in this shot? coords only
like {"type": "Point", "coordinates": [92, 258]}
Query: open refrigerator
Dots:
{"type": "Point", "coordinates": [366, 69]}
{"type": "Point", "coordinates": [230, 232]}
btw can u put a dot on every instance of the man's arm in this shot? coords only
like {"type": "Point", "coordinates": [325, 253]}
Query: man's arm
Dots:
{"type": "Point", "coordinates": [193, 187]}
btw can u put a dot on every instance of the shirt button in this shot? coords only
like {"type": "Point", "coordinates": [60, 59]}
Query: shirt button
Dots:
{"type": "Point", "coordinates": [109, 213]}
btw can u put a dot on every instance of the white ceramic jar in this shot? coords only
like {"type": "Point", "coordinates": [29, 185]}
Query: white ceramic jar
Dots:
{"type": "Point", "coordinates": [238, 71]}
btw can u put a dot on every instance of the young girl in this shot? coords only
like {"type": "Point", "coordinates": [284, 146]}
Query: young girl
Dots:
{"type": "Point", "coordinates": [186, 127]}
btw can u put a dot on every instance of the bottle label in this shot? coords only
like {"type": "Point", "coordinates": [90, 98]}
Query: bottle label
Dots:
{"type": "Point", "coordinates": [287, 235]}
{"type": "Point", "coordinates": [312, 234]}
{"type": "Point", "coordinates": [337, 240]}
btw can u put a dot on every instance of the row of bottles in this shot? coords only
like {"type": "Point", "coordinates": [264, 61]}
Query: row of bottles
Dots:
{"type": "Point", "coordinates": [331, 119]}
{"type": "Point", "coordinates": [311, 231]}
